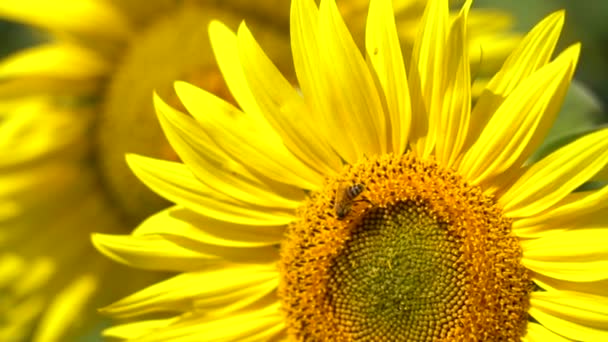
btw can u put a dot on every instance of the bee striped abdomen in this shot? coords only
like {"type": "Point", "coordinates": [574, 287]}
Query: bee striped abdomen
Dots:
{"type": "Point", "coordinates": [345, 197]}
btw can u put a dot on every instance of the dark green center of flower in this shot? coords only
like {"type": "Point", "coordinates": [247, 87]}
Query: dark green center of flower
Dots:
{"type": "Point", "coordinates": [413, 253]}
{"type": "Point", "coordinates": [397, 276]}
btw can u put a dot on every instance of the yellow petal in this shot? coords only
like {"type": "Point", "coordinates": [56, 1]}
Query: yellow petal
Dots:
{"type": "Point", "coordinates": [247, 138]}
{"type": "Point", "coordinates": [304, 38]}
{"type": "Point", "coordinates": [599, 288]}
{"type": "Point", "coordinates": [224, 287]}
{"type": "Point", "coordinates": [12, 267]}
{"type": "Point", "coordinates": [427, 76]}
{"type": "Point", "coordinates": [353, 100]}
{"type": "Point", "coordinates": [175, 253]}
{"type": "Point", "coordinates": [533, 52]}
{"type": "Point", "coordinates": [578, 316]}
{"type": "Point", "coordinates": [26, 186]}
{"type": "Point", "coordinates": [585, 209]}
{"type": "Point", "coordinates": [255, 325]}
{"type": "Point", "coordinates": [66, 308]}
{"type": "Point", "coordinates": [40, 270]}
{"type": "Point", "coordinates": [452, 125]}
{"type": "Point", "coordinates": [284, 108]}
{"type": "Point", "coordinates": [36, 129]}
{"type": "Point", "coordinates": [176, 182]}
{"type": "Point", "coordinates": [575, 255]}
{"type": "Point", "coordinates": [190, 225]}
{"type": "Point", "coordinates": [225, 47]}
{"type": "Point", "coordinates": [487, 54]}
{"type": "Point", "coordinates": [213, 167]}
{"type": "Point", "coordinates": [533, 104]}
{"type": "Point", "coordinates": [384, 52]}
{"type": "Point", "coordinates": [93, 17]}
{"type": "Point", "coordinates": [14, 88]}
{"type": "Point", "coordinates": [491, 39]}
{"type": "Point", "coordinates": [151, 252]}
{"type": "Point", "coordinates": [133, 330]}
{"type": "Point", "coordinates": [22, 314]}
{"type": "Point", "coordinates": [554, 177]}
{"type": "Point", "coordinates": [61, 60]}
{"type": "Point", "coordinates": [537, 333]}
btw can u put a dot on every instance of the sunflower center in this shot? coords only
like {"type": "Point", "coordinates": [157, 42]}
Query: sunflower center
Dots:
{"type": "Point", "coordinates": [417, 255]}
{"type": "Point", "coordinates": [396, 276]}
{"type": "Point", "coordinates": [173, 46]}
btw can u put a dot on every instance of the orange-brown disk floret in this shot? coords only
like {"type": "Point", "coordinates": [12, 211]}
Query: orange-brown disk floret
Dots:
{"type": "Point", "coordinates": [420, 256]}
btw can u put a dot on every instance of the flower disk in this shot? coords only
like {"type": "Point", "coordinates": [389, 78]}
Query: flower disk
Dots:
{"type": "Point", "coordinates": [418, 258]}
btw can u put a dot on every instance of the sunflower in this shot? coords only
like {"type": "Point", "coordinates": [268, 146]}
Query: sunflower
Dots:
{"type": "Point", "coordinates": [372, 201]}
{"type": "Point", "coordinates": [369, 203]}
{"type": "Point", "coordinates": [73, 105]}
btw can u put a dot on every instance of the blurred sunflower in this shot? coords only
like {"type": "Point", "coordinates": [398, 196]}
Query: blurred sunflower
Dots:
{"type": "Point", "coordinates": [71, 107]}
{"type": "Point", "coordinates": [372, 201]}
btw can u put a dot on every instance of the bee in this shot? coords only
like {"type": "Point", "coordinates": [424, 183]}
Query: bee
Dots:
{"type": "Point", "coordinates": [345, 197]}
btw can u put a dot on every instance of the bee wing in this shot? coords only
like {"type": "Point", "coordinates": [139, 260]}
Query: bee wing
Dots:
{"type": "Point", "coordinates": [341, 194]}
{"type": "Point", "coordinates": [342, 201]}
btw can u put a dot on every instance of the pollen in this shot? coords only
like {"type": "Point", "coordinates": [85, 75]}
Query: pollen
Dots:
{"type": "Point", "coordinates": [420, 256]}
